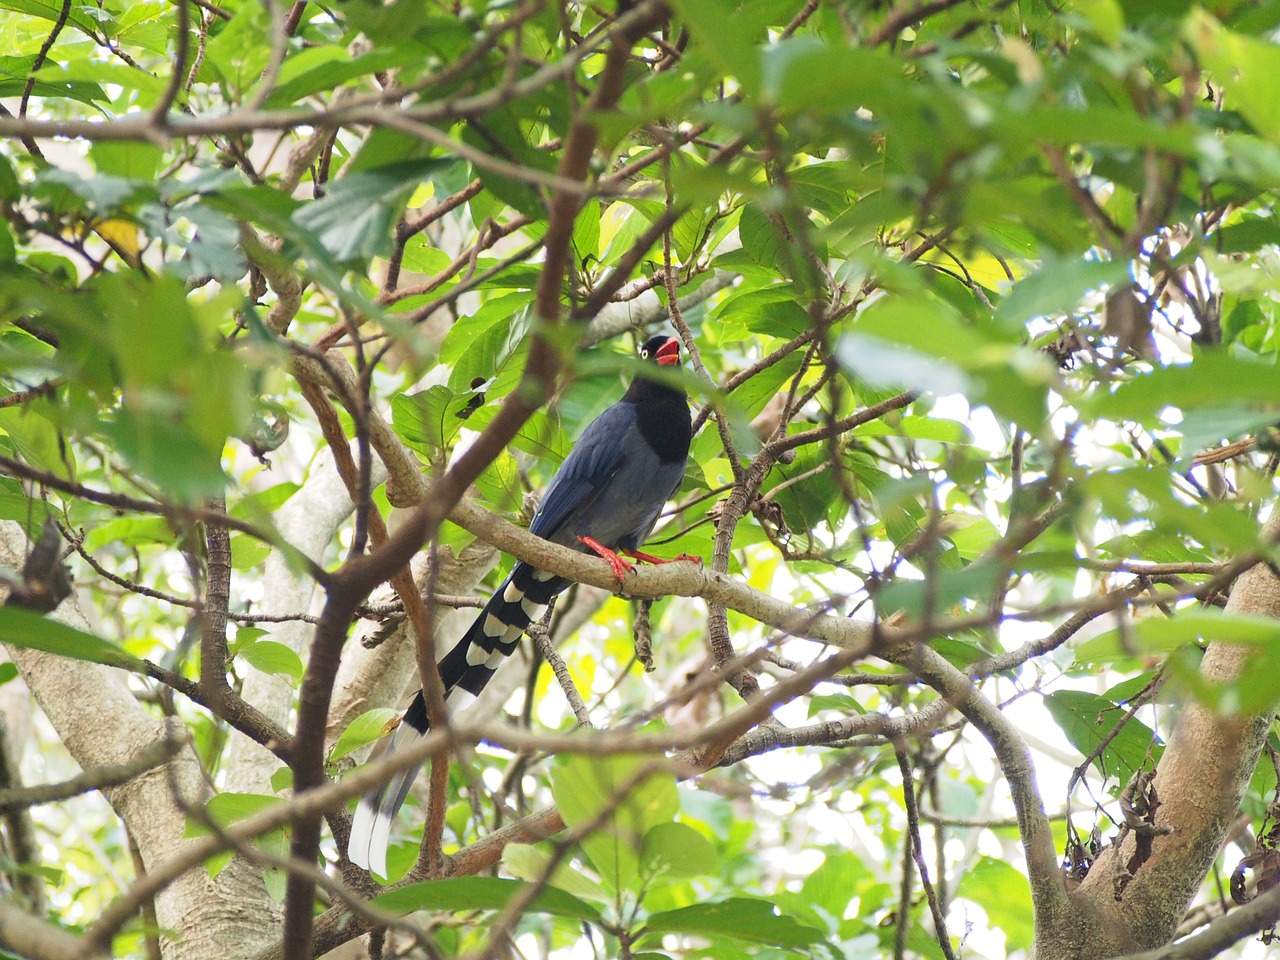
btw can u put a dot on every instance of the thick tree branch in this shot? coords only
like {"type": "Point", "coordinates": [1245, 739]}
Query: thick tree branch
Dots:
{"type": "Point", "coordinates": [1200, 779]}
{"type": "Point", "coordinates": [31, 937]}
{"type": "Point", "coordinates": [1210, 942]}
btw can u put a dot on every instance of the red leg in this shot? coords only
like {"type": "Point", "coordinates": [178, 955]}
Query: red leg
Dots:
{"type": "Point", "coordinates": [650, 558]}
{"type": "Point", "coordinates": [620, 567]}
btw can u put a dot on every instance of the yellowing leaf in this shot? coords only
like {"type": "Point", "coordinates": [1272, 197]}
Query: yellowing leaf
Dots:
{"type": "Point", "coordinates": [121, 234]}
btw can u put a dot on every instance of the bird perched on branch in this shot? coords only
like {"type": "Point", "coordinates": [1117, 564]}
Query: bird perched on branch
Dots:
{"type": "Point", "coordinates": [604, 499]}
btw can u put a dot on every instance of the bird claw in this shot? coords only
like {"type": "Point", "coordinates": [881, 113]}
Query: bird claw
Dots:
{"type": "Point", "coordinates": [620, 567]}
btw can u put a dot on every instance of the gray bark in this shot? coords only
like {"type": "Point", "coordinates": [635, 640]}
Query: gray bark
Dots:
{"type": "Point", "coordinates": [1200, 781]}
{"type": "Point", "coordinates": [82, 701]}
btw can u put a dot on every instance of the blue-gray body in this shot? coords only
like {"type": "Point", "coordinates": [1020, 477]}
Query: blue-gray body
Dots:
{"type": "Point", "coordinates": [610, 488]}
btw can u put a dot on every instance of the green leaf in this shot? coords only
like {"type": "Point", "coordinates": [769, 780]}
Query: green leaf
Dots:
{"type": "Point", "coordinates": [324, 69]}
{"type": "Point", "coordinates": [8, 249]}
{"type": "Point", "coordinates": [272, 657]}
{"type": "Point", "coordinates": [585, 787]}
{"type": "Point", "coordinates": [1246, 66]}
{"type": "Point", "coordinates": [839, 702]}
{"type": "Point", "coordinates": [921, 343]}
{"type": "Point", "coordinates": [586, 235]}
{"type": "Point", "coordinates": [527, 862]}
{"type": "Point", "coordinates": [944, 588]}
{"type": "Point", "coordinates": [282, 779]}
{"type": "Point", "coordinates": [834, 883]}
{"type": "Point", "coordinates": [353, 220]}
{"type": "Point", "coordinates": [129, 531]}
{"type": "Point", "coordinates": [227, 809]}
{"type": "Point", "coordinates": [1248, 234]}
{"type": "Point", "coordinates": [483, 893]}
{"type": "Point", "coordinates": [1086, 719]}
{"type": "Point", "coordinates": [166, 453]}
{"type": "Point", "coordinates": [367, 728]}
{"type": "Point", "coordinates": [247, 552]}
{"type": "Point", "coordinates": [494, 357]}
{"type": "Point", "coordinates": [892, 366]}
{"type": "Point", "coordinates": [1057, 288]}
{"type": "Point", "coordinates": [1107, 20]}
{"type": "Point", "coordinates": [1005, 895]}
{"type": "Point", "coordinates": [429, 420]}
{"type": "Point", "coordinates": [916, 428]}
{"type": "Point", "coordinates": [33, 436]}
{"type": "Point", "coordinates": [16, 505]}
{"type": "Point", "coordinates": [809, 76]}
{"type": "Point", "coordinates": [52, 11]}
{"type": "Point", "coordinates": [8, 671]}
{"type": "Point", "coordinates": [499, 133]}
{"type": "Point", "coordinates": [727, 33]}
{"type": "Point", "coordinates": [1157, 635]}
{"type": "Point", "coordinates": [10, 189]}
{"type": "Point", "coordinates": [740, 918]}
{"type": "Point", "coordinates": [239, 52]}
{"type": "Point", "coordinates": [774, 310]}
{"type": "Point", "coordinates": [131, 159]}
{"type": "Point", "coordinates": [957, 652]}
{"type": "Point", "coordinates": [23, 628]}
{"type": "Point", "coordinates": [245, 636]}
{"type": "Point", "coordinates": [678, 850]}
{"type": "Point", "coordinates": [1187, 386]}
{"type": "Point", "coordinates": [761, 239]}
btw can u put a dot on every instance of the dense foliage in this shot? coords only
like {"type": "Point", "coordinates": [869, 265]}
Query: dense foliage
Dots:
{"type": "Point", "coordinates": [980, 326]}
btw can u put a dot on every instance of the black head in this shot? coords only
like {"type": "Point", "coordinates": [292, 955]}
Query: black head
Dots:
{"type": "Point", "coordinates": [662, 410]}
{"type": "Point", "coordinates": [662, 349]}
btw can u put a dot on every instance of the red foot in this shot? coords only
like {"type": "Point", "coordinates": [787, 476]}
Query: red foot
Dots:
{"type": "Point", "coordinates": [650, 558]}
{"type": "Point", "coordinates": [620, 567]}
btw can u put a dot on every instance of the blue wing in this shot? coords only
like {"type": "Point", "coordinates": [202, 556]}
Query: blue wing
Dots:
{"type": "Point", "coordinates": [594, 459]}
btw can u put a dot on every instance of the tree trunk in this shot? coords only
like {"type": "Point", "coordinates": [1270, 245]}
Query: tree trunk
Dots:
{"type": "Point", "coordinates": [1199, 782]}
{"type": "Point", "coordinates": [82, 700]}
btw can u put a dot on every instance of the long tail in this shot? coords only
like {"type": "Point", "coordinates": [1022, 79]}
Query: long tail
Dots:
{"type": "Point", "coordinates": [465, 670]}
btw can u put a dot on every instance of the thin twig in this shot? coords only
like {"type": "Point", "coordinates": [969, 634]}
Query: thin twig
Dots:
{"type": "Point", "coordinates": [97, 778]}
{"type": "Point", "coordinates": [916, 846]}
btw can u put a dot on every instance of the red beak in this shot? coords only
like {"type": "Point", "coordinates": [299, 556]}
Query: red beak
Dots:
{"type": "Point", "coordinates": [668, 353]}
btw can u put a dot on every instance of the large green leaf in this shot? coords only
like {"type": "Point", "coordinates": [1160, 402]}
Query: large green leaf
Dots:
{"type": "Point", "coordinates": [23, 628]}
{"type": "Point", "coordinates": [621, 805]}
{"type": "Point", "coordinates": [740, 918]}
{"type": "Point", "coordinates": [272, 657]}
{"type": "Point", "coordinates": [1056, 288]}
{"type": "Point", "coordinates": [1246, 65]}
{"type": "Point", "coordinates": [1157, 635]}
{"type": "Point", "coordinates": [353, 220]}
{"type": "Point", "coordinates": [429, 420]}
{"type": "Point", "coordinates": [483, 893]}
{"type": "Point", "coordinates": [678, 850]}
{"type": "Point", "coordinates": [1087, 719]}
{"type": "Point", "coordinates": [1187, 386]}
{"type": "Point", "coordinates": [1005, 895]}
{"type": "Point", "coordinates": [365, 729]}
{"type": "Point", "coordinates": [527, 862]}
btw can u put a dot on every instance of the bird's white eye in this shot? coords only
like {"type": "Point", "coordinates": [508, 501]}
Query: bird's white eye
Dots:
{"type": "Point", "coordinates": [644, 353]}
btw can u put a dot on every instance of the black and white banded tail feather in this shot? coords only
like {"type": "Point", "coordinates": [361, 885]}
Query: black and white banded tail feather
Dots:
{"type": "Point", "coordinates": [465, 670]}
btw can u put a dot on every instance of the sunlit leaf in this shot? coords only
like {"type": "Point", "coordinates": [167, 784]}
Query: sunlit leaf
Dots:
{"type": "Point", "coordinates": [23, 628]}
{"type": "Point", "coordinates": [483, 893]}
{"type": "Point", "coordinates": [753, 921]}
